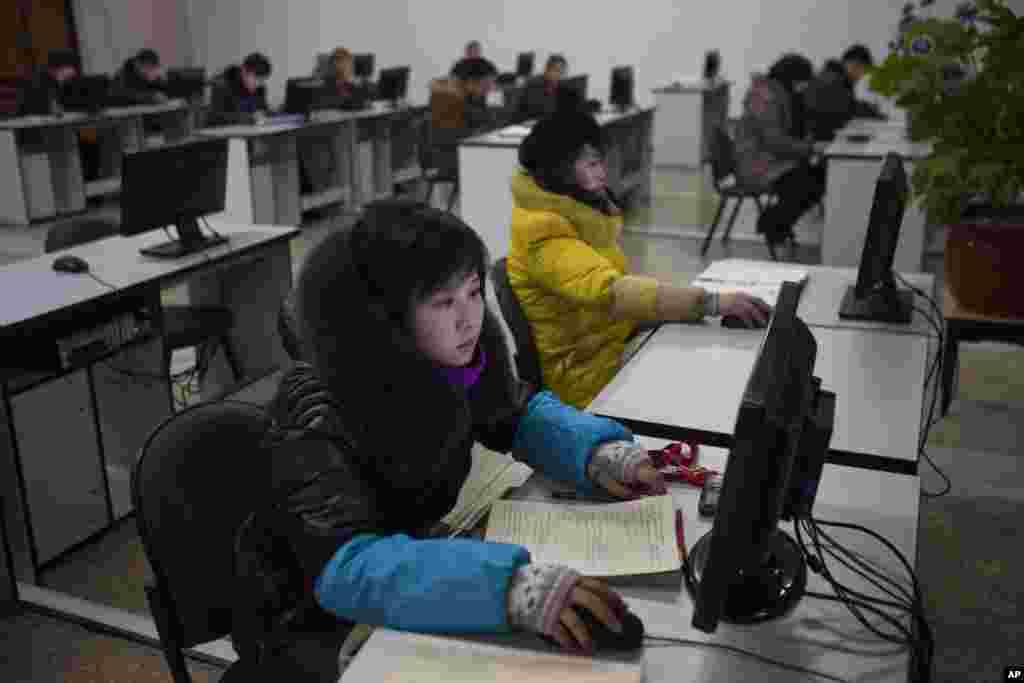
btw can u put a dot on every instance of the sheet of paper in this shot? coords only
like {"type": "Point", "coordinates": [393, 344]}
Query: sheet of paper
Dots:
{"type": "Point", "coordinates": [490, 477]}
{"type": "Point", "coordinates": [517, 131]}
{"type": "Point", "coordinates": [615, 539]}
{"type": "Point", "coordinates": [399, 657]}
{"type": "Point", "coordinates": [743, 272]}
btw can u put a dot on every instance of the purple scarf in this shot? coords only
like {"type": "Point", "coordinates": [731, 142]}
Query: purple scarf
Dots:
{"type": "Point", "coordinates": [467, 375]}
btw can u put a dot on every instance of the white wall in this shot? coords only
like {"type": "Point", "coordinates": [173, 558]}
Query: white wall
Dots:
{"type": "Point", "coordinates": [111, 31]}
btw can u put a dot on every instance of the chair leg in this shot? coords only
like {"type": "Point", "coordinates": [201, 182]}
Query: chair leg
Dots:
{"type": "Point", "coordinates": [714, 226]}
{"type": "Point", "coordinates": [732, 219]}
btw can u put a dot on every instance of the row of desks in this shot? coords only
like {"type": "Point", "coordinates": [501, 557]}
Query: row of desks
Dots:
{"type": "Point", "coordinates": [368, 151]}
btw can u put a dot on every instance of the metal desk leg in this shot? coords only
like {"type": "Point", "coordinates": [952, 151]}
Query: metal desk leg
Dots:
{"type": "Point", "coordinates": [383, 184]}
{"type": "Point", "coordinates": [34, 159]}
{"type": "Point", "coordinates": [66, 169]}
{"type": "Point", "coordinates": [344, 150]}
{"type": "Point", "coordinates": [274, 169]}
{"type": "Point", "coordinates": [14, 191]}
{"type": "Point", "coordinates": [253, 287]}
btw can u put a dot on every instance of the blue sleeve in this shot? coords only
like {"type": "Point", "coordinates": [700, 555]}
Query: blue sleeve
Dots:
{"type": "Point", "coordinates": [433, 585]}
{"type": "Point", "coordinates": [558, 440]}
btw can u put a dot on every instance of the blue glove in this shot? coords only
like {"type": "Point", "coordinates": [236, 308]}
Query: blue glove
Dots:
{"type": "Point", "coordinates": [558, 440]}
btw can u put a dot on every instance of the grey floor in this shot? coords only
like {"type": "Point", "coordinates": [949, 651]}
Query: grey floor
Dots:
{"type": "Point", "coordinates": [970, 558]}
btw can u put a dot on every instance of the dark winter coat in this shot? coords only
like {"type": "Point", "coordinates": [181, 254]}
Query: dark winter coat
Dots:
{"type": "Point", "coordinates": [230, 103]}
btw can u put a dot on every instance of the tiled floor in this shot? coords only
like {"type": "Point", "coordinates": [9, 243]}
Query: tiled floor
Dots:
{"type": "Point", "coordinates": [975, 598]}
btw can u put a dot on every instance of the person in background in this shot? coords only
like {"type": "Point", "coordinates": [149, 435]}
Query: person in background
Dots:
{"type": "Point", "coordinates": [341, 91]}
{"type": "Point", "coordinates": [473, 53]}
{"type": "Point", "coordinates": [768, 153]}
{"type": "Point", "coordinates": [140, 80]}
{"type": "Point", "coordinates": [240, 93]}
{"type": "Point", "coordinates": [830, 101]}
{"type": "Point", "coordinates": [476, 83]}
{"type": "Point", "coordinates": [40, 95]}
{"type": "Point", "coordinates": [372, 442]}
{"type": "Point", "coordinates": [567, 269]}
{"type": "Point", "coordinates": [540, 96]}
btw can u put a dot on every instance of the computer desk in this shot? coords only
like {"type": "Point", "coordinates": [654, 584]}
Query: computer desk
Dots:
{"type": "Point", "coordinates": [62, 486]}
{"type": "Point", "coordinates": [818, 634]}
{"type": "Point", "coordinates": [263, 163]}
{"type": "Point", "coordinates": [39, 157]}
{"type": "Point", "coordinates": [853, 170]}
{"type": "Point", "coordinates": [687, 382]}
{"type": "Point", "coordinates": [488, 161]}
{"type": "Point", "coordinates": [822, 294]}
{"type": "Point", "coordinates": [688, 112]}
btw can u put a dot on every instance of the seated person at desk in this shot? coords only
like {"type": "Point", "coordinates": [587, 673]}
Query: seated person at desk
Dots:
{"type": "Point", "coordinates": [358, 538]}
{"type": "Point", "coordinates": [476, 83]}
{"type": "Point", "coordinates": [770, 156]}
{"type": "Point", "coordinates": [473, 53]}
{"type": "Point", "coordinates": [240, 93]}
{"type": "Point", "coordinates": [568, 271]}
{"type": "Point", "coordinates": [830, 101]}
{"type": "Point", "coordinates": [40, 95]}
{"type": "Point", "coordinates": [341, 91]}
{"type": "Point", "coordinates": [540, 95]}
{"type": "Point", "coordinates": [140, 80]}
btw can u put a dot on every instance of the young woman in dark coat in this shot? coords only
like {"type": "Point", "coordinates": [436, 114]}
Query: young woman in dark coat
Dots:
{"type": "Point", "coordinates": [373, 442]}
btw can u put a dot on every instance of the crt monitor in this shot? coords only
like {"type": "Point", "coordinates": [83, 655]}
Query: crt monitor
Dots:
{"type": "Point", "coordinates": [712, 64]}
{"type": "Point", "coordinates": [186, 82]}
{"type": "Point", "coordinates": [572, 93]}
{"type": "Point", "coordinates": [621, 91]}
{"type": "Point", "coordinates": [87, 93]}
{"type": "Point", "coordinates": [875, 296]}
{"type": "Point", "coordinates": [174, 185]}
{"type": "Point", "coordinates": [524, 64]}
{"type": "Point", "coordinates": [393, 84]}
{"type": "Point", "coordinates": [362, 65]}
{"type": "Point", "coordinates": [746, 570]}
{"type": "Point", "coordinates": [300, 95]}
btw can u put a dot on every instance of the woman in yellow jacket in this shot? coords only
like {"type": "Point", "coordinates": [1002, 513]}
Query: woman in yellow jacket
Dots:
{"type": "Point", "coordinates": [569, 273]}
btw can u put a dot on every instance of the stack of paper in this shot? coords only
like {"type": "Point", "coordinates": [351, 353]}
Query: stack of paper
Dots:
{"type": "Point", "coordinates": [515, 131]}
{"type": "Point", "coordinates": [757, 278]}
{"type": "Point", "coordinates": [490, 477]}
{"type": "Point", "coordinates": [615, 539]}
{"type": "Point", "coordinates": [415, 657]}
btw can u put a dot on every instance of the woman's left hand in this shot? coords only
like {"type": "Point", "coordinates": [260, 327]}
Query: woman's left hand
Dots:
{"type": "Point", "coordinates": [624, 470]}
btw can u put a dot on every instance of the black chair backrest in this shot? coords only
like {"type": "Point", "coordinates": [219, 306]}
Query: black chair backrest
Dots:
{"type": "Point", "coordinates": [200, 474]}
{"type": "Point", "coordinates": [527, 358]}
{"type": "Point", "coordinates": [77, 231]}
{"type": "Point", "coordinates": [288, 328]}
{"type": "Point", "coordinates": [723, 154]}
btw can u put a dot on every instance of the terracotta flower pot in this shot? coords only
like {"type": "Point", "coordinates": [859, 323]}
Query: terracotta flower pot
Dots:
{"type": "Point", "coordinates": [985, 265]}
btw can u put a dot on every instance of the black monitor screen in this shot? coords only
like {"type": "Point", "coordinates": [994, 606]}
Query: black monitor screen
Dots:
{"type": "Point", "coordinates": [173, 185]}
{"type": "Point", "coordinates": [300, 94]}
{"type": "Point", "coordinates": [746, 570]}
{"type": "Point", "coordinates": [712, 64]}
{"type": "Point", "coordinates": [621, 91]}
{"type": "Point", "coordinates": [186, 82]}
{"type": "Point", "coordinates": [524, 64]}
{"type": "Point", "coordinates": [363, 65]}
{"type": "Point", "coordinates": [393, 83]}
{"type": "Point", "coordinates": [86, 93]}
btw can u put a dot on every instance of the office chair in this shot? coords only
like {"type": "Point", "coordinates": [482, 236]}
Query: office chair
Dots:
{"type": "Point", "coordinates": [726, 184]}
{"type": "Point", "coordinates": [288, 328]}
{"type": "Point", "coordinates": [199, 475]}
{"type": "Point", "coordinates": [439, 161]}
{"type": "Point", "coordinates": [204, 327]}
{"type": "Point", "coordinates": [527, 357]}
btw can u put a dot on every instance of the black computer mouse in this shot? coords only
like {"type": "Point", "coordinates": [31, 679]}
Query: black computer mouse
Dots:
{"type": "Point", "coordinates": [69, 263]}
{"type": "Point", "coordinates": [605, 639]}
{"type": "Point", "coordinates": [735, 322]}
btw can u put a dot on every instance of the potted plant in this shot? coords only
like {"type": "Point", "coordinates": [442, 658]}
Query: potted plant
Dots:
{"type": "Point", "coordinates": [961, 84]}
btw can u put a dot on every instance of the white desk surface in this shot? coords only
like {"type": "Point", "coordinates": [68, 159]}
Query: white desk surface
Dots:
{"type": "Point", "coordinates": [73, 118]}
{"type": "Point", "coordinates": [819, 635]}
{"type": "Point", "coordinates": [501, 138]}
{"type": "Point", "coordinates": [823, 293]}
{"type": "Point", "coordinates": [318, 118]}
{"type": "Point", "coordinates": [34, 289]}
{"type": "Point", "coordinates": [690, 85]}
{"type": "Point", "coordinates": [877, 148]}
{"type": "Point", "coordinates": [692, 377]}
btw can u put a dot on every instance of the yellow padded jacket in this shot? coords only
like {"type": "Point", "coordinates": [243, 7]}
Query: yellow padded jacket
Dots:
{"type": "Point", "coordinates": [564, 265]}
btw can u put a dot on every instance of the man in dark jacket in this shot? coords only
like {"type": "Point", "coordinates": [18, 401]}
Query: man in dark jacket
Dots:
{"type": "Point", "coordinates": [40, 95]}
{"type": "Point", "coordinates": [477, 81]}
{"type": "Point", "coordinates": [140, 81]}
{"type": "Point", "coordinates": [829, 101]}
{"type": "Point", "coordinates": [240, 94]}
{"type": "Point", "coordinates": [540, 96]}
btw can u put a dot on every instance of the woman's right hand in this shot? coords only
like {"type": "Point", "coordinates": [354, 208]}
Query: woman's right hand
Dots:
{"type": "Point", "coordinates": [543, 598]}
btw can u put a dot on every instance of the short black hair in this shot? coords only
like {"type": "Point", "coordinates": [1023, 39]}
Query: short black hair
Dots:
{"type": "Point", "coordinates": [257, 63]}
{"type": "Point", "coordinates": [790, 69]}
{"type": "Point", "coordinates": [859, 54]}
{"type": "Point", "coordinates": [147, 57]}
{"type": "Point", "coordinates": [62, 57]}
{"type": "Point", "coordinates": [558, 59]}
{"type": "Point", "coordinates": [473, 44]}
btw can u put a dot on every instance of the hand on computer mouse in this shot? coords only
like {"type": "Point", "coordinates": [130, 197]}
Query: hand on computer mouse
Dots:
{"type": "Point", "coordinates": [752, 311]}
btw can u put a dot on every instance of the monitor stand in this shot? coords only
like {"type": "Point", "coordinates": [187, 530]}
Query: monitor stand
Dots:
{"type": "Point", "coordinates": [768, 592]}
{"type": "Point", "coordinates": [190, 240]}
{"type": "Point", "coordinates": [887, 304]}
